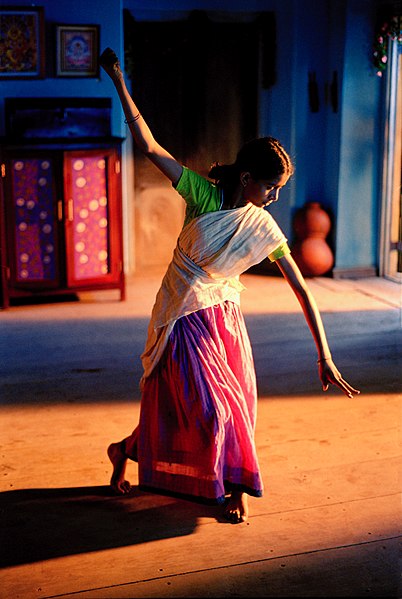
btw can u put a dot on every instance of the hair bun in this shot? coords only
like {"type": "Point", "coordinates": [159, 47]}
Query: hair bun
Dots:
{"type": "Point", "coordinates": [221, 172]}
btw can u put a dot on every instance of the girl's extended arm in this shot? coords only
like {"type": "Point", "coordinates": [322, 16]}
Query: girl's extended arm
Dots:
{"type": "Point", "coordinates": [328, 372]}
{"type": "Point", "coordinates": [141, 133]}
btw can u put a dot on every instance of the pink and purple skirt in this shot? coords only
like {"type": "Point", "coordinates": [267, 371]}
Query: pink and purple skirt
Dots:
{"type": "Point", "coordinates": [198, 410]}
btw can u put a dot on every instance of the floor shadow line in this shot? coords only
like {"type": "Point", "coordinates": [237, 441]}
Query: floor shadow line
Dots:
{"type": "Point", "coordinates": [40, 524]}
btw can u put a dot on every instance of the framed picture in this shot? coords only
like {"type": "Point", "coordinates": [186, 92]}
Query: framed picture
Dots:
{"type": "Point", "coordinates": [77, 50]}
{"type": "Point", "coordinates": [22, 42]}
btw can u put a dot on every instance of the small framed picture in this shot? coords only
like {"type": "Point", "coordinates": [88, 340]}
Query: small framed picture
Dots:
{"type": "Point", "coordinates": [22, 42]}
{"type": "Point", "coordinates": [77, 50]}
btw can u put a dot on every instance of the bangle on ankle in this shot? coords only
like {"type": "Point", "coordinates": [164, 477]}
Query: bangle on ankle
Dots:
{"type": "Point", "coordinates": [135, 118]}
{"type": "Point", "coordinates": [324, 359]}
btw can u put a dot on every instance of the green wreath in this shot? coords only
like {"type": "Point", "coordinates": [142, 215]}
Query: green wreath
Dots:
{"type": "Point", "coordinates": [389, 30]}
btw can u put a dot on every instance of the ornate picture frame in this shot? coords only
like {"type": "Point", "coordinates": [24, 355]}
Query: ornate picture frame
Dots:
{"type": "Point", "coordinates": [77, 51]}
{"type": "Point", "coordinates": [22, 42]}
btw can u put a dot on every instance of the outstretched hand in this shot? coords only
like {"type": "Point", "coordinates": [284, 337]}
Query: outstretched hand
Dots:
{"type": "Point", "coordinates": [330, 375]}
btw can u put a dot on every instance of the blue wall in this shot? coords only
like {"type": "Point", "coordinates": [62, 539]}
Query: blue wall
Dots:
{"type": "Point", "coordinates": [337, 155]}
{"type": "Point", "coordinates": [107, 14]}
{"type": "Point", "coordinates": [359, 146]}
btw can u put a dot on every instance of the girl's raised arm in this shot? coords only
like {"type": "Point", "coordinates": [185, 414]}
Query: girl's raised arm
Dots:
{"type": "Point", "coordinates": [140, 131]}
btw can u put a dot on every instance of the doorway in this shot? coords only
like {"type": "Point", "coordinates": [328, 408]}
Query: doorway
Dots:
{"type": "Point", "coordinates": [391, 212]}
{"type": "Point", "coordinates": [196, 82]}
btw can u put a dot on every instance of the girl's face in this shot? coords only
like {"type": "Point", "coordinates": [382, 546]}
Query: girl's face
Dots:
{"type": "Point", "coordinates": [261, 192]}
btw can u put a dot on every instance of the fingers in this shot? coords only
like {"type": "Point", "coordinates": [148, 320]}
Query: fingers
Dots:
{"type": "Point", "coordinates": [348, 389]}
{"type": "Point", "coordinates": [342, 384]}
{"type": "Point", "coordinates": [332, 376]}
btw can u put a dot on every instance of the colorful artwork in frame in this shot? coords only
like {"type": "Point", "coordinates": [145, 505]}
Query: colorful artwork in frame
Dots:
{"type": "Point", "coordinates": [77, 50]}
{"type": "Point", "coordinates": [22, 48]}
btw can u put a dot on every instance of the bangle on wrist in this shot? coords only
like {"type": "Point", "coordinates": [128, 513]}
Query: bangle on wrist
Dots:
{"type": "Point", "coordinates": [135, 118]}
{"type": "Point", "coordinates": [324, 359]}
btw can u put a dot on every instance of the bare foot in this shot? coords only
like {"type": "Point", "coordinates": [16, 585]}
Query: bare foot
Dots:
{"type": "Point", "coordinates": [110, 63]}
{"type": "Point", "coordinates": [119, 461]}
{"type": "Point", "coordinates": [237, 509]}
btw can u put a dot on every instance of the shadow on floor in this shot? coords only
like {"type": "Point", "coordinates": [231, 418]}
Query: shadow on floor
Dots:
{"type": "Point", "coordinates": [96, 360]}
{"type": "Point", "coordinates": [40, 524]}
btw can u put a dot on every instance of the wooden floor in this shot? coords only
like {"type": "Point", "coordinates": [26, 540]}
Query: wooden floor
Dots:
{"type": "Point", "coordinates": [329, 523]}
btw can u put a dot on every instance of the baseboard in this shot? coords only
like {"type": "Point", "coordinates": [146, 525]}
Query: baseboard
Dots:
{"type": "Point", "coordinates": [358, 272]}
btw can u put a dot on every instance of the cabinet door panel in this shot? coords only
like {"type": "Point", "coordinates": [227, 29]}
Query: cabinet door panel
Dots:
{"type": "Point", "coordinates": [33, 231]}
{"type": "Point", "coordinates": [92, 217]}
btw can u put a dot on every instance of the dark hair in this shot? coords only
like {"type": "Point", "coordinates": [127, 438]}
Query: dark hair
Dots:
{"type": "Point", "coordinates": [263, 158]}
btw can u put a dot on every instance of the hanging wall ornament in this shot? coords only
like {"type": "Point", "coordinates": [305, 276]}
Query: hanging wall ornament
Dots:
{"type": "Point", "coordinates": [389, 29]}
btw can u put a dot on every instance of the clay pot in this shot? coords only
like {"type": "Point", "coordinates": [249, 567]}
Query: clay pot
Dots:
{"type": "Point", "coordinates": [311, 252]}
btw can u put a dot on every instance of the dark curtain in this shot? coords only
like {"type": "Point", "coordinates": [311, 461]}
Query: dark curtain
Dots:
{"type": "Point", "coordinates": [196, 82]}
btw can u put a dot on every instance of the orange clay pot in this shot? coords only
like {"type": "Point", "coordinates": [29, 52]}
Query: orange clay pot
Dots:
{"type": "Point", "coordinates": [311, 252]}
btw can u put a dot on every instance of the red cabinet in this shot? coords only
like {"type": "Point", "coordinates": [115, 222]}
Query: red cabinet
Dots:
{"type": "Point", "coordinates": [61, 218]}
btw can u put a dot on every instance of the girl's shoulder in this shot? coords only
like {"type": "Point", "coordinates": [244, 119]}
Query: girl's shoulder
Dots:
{"type": "Point", "coordinates": [200, 194]}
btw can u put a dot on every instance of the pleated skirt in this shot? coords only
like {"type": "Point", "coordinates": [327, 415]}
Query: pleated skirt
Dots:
{"type": "Point", "coordinates": [198, 410]}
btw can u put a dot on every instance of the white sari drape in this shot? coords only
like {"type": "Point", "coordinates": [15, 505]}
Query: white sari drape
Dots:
{"type": "Point", "coordinates": [211, 253]}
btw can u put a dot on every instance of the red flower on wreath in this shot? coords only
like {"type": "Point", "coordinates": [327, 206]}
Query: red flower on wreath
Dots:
{"type": "Point", "coordinates": [389, 30]}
